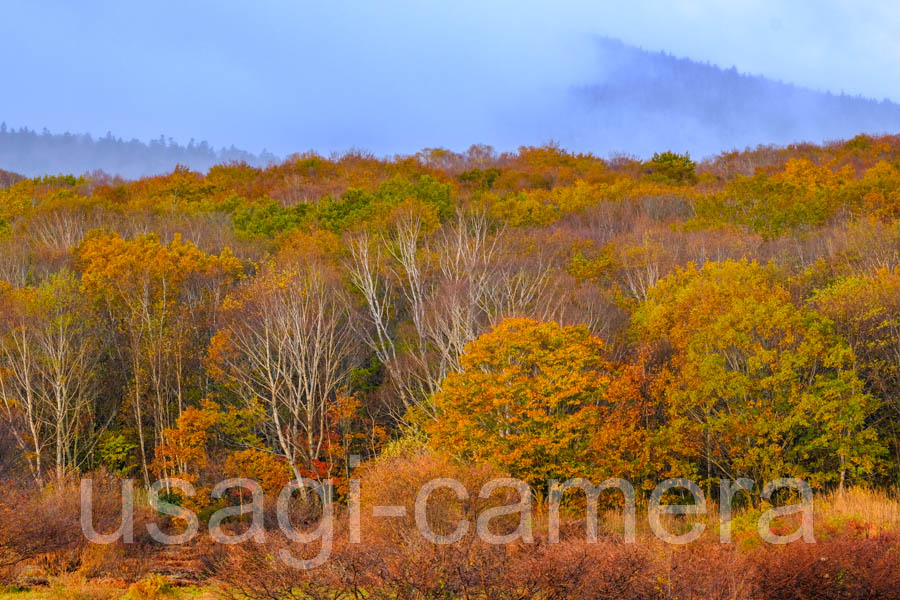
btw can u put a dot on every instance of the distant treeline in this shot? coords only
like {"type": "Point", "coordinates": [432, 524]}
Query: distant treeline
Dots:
{"type": "Point", "coordinates": [31, 153]}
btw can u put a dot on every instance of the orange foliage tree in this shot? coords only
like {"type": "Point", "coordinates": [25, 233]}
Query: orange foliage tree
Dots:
{"type": "Point", "coordinates": [161, 299]}
{"type": "Point", "coordinates": [529, 397]}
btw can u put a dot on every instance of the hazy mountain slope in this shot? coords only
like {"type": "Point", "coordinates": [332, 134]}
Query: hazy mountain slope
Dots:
{"type": "Point", "coordinates": [643, 102]}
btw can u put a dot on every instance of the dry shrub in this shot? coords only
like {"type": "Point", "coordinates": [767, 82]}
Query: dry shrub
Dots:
{"type": "Point", "coordinates": [410, 566]}
{"type": "Point", "coordinates": [710, 571]}
{"type": "Point", "coordinates": [78, 587]}
{"type": "Point", "coordinates": [836, 568]}
{"type": "Point", "coordinates": [43, 528]}
{"type": "Point", "coordinates": [577, 569]}
{"type": "Point", "coordinates": [255, 572]}
{"type": "Point", "coordinates": [612, 570]}
{"type": "Point", "coordinates": [395, 562]}
{"type": "Point", "coordinates": [396, 481]}
{"type": "Point", "coordinates": [839, 568]}
{"type": "Point", "coordinates": [455, 571]}
{"type": "Point", "coordinates": [468, 569]}
{"type": "Point", "coordinates": [878, 510]}
{"type": "Point", "coordinates": [113, 560]}
{"type": "Point", "coordinates": [150, 587]}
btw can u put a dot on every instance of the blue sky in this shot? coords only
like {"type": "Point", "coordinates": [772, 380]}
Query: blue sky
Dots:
{"type": "Point", "coordinates": [391, 76]}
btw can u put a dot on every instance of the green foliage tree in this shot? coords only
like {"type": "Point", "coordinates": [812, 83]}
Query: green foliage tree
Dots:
{"type": "Point", "coordinates": [269, 219]}
{"type": "Point", "coordinates": [672, 168]}
{"type": "Point", "coordinates": [755, 386]}
{"type": "Point", "coordinates": [866, 312]}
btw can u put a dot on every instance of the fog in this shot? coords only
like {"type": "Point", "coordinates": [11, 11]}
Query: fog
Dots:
{"type": "Point", "coordinates": [643, 102]}
{"type": "Point", "coordinates": [276, 77]}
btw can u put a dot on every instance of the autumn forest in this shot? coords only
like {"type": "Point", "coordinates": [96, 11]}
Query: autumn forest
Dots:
{"type": "Point", "coordinates": [536, 314]}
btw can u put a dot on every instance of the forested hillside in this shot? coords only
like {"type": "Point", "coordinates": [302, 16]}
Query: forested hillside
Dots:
{"type": "Point", "coordinates": [538, 314]}
{"type": "Point", "coordinates": [737, 318]}
{"type": "Point", "coordinates": [639, 101]}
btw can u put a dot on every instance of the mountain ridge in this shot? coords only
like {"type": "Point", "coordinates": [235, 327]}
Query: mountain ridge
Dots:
{"type": "Point", "coordinates": [647, 100]}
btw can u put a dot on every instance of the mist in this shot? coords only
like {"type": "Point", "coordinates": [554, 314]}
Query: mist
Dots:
{"type": "Point", "coordinates": [397, 77]}
{"type": "Point", "coordinates": [642, 102]}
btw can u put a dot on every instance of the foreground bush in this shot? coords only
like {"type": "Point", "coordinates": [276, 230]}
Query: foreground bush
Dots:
{"type": "Point", "coordinates": [840, 568]}
{"type": "Point", "coordinates": [393, 560]}
{"type": "Point", "coordinates": [42, 528]}
{"type": "Point", "coordinates": [843, 567]}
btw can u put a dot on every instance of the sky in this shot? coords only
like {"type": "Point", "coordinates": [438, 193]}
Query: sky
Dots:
{"type": "Point", "coordinates": [392, 76]}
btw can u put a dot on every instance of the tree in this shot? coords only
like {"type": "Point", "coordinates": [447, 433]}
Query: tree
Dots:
{"type": "Point", "coordinates": [23, 409]}
{"type": "Point", "coordinates": [801, 196]}
{"type": "Point", "coordinates": [673, 168]}
{"type": "Point", "coordinates": [161, 300]}
{"type": "Point", "coordinates": [285, 344]}
{"type": "Point", "coordinates": [866, 311]}
{"type": "Point", "coordinates": [196, 447]}
{"type": "Point", "coordinates": [47, 360]}
{"type": "Point", "coordinates": [449, 288]}
{"type": "Point", "coordinates": [753, 385]}
{"type": "Point", "coordinates": [528, 398]}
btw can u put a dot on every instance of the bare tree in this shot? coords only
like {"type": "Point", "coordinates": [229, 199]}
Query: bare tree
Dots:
{"type": "Point", "coordinates": [62, 228]}
{"type": "Point", "coordinates": [450, 288]}
{"type": "Point", "coordinates": [23, 408]}
{"type": "Point", "coordinates": [14, 258]}
{"type": "Point", "coordinates": [289, 337]}
{"type": "Point", "coordinates": [47, 373]}
{"type": "Point", "coordinates": [68, 357]}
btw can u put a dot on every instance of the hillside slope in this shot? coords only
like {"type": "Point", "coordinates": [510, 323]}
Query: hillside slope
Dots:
{"type": "Point", "coordinates": [642, 101]}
